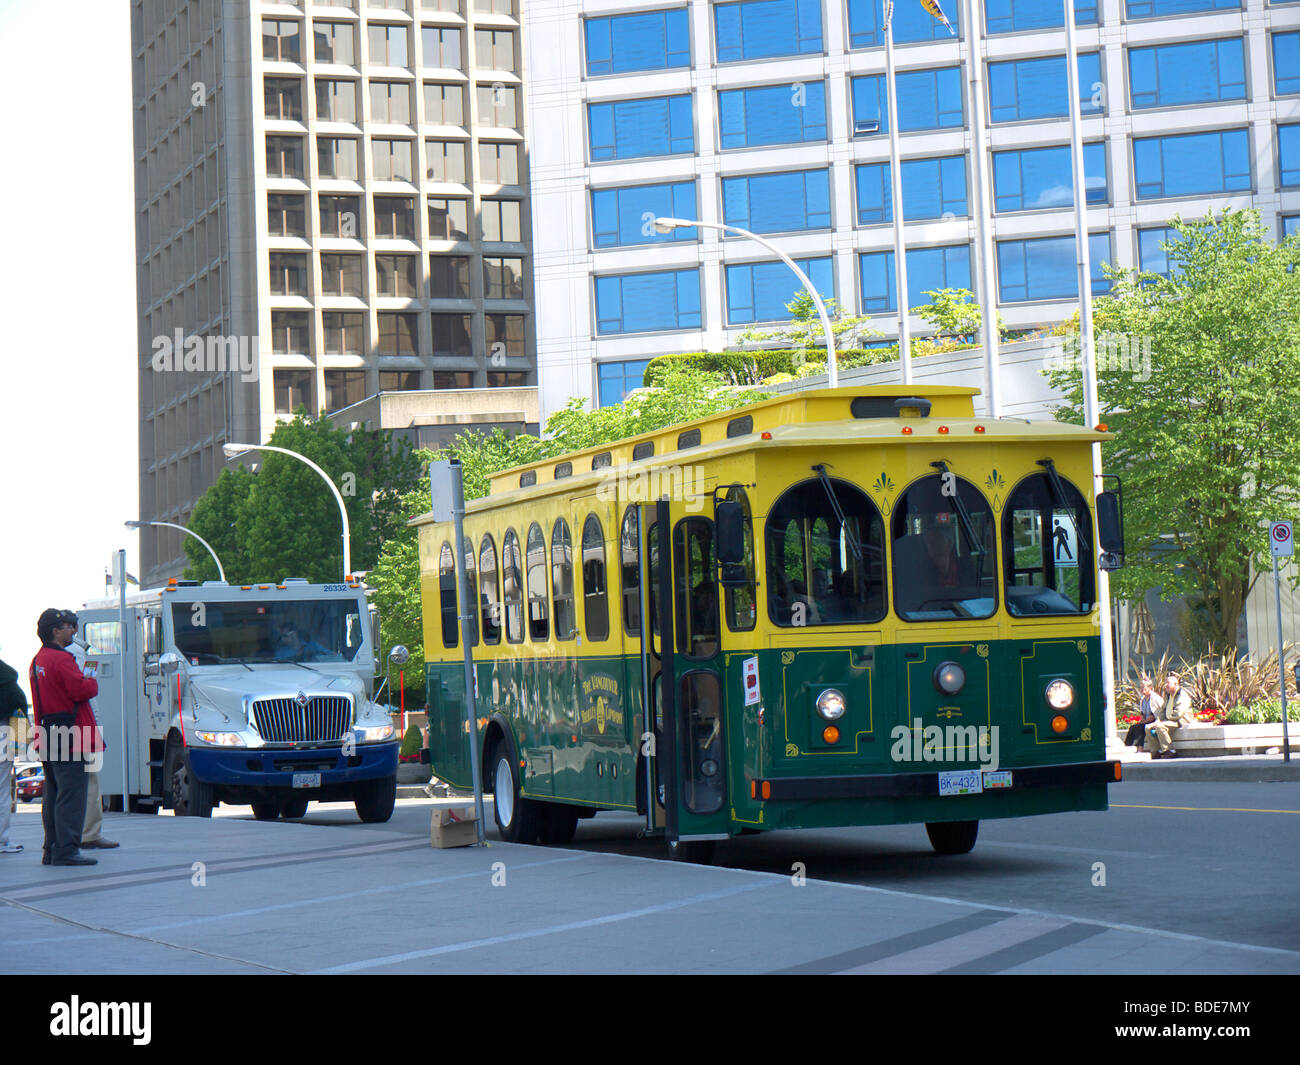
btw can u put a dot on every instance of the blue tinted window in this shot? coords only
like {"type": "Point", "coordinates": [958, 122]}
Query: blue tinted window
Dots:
{"type": "Point", "coordinates": [1194, 73]}
{"type": "Point", "coordinates": [1155, 8]}
{"type": "Point", "coordinates": [1286, 63]}
{"type": "Point", "coordinates": [1151, 256]}
{"type": "Point", "coordinates": [1191, 164]}
{"type": "Point", "coordinates": [1038, 178]}
{"type": "Point", "coordinates": [652, 40]}
{"type": "Point", "coordinates": [911, 22]}
{"type": "Point", "coordinates": [1046, 269]}
{"type": "Point", "coordinates": [1007, 16]}
{"type": "Point", "coordinates": [756, 29]}
{"type": "Point", "coordinates": [1288, 155]}
{"type": "Point", "coordinates": [778, 203]}
{"type": "Point", "coordinates": [927, 269]}
{"type": "Point", "coordinates": [628, 129]}
{"type": "Point", "coordinates": [1290, 225]}
{"type": "Point", "coordinates": [616, 379]}
{"type": "Point", "coordinates": [639, 303]}
{"type": "Point", "coordinates": [772, 114]}
{"type": "Point", "coordinates": [759, 292]}
{"type": "Point", "coordinates": [931, 189]}
{"type": "Point", "coordinates": [1036, 88]}
{"type": "Point", "coordinates": [624, 216]}
{"type": "Point", "coordinates": [927, 99]}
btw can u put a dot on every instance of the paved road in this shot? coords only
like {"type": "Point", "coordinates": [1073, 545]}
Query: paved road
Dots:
{"type": "Point", "coordinates": [333, 896]}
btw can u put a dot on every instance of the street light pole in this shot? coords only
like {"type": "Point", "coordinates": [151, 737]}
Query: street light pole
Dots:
{"type": "Point", "coordinates": [235, 450]}
{"type": "Point", "coordinates": [221, 573]}
{"type": "Point", "coordinates": [667, 225]}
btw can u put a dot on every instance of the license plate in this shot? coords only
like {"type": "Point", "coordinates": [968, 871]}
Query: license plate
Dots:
{"type": "Point", "coordinates": [961, 782]}
{"type": "Point", "coordinates": [306, 780]}
{"type": "Point", "coordinates": [997, 778]}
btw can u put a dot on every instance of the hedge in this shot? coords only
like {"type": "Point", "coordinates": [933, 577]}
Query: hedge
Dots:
{"type": "Point", "coordinates": [753, 367]}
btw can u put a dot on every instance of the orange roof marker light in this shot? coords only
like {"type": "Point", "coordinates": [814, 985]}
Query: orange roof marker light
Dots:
{"type": "Point", "coordinates": [765, 436]}
{"type": "Point", "coordinates": [943, 429]}
{"type": "Point", "coordinates": [1102, 427]}
{"type": "Point", "coordinates": [907, 430]}
{"type": "Point", "coordinates": [979, 428]}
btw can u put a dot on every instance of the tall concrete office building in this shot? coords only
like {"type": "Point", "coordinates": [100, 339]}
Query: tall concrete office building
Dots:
{"type": "Point", "coordinates": [331, 201]}
{"type": "Point", "coordinates": [770, 115]}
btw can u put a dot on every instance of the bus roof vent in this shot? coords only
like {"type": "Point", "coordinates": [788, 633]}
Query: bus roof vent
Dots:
{"type": "Point", "coordinates": [740, 426]}
{"type": "Point", "coordinates": [602, 461]}
{"type": "Point", "coordinates": [643, 450]}
{"type": "Point", "coordinates": [889, 407]}
{"type": "Point", "coordinates": [690, 438]}
{"type": "Point", "coordinates": [563, 469]}
{"type": "Point", "coordinates": [528, 478]}
{"type": "Point", "coordinates": [187, 584]}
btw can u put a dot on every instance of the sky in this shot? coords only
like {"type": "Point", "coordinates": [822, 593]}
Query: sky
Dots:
{"type": "Point", "coordinates": [68, 415]}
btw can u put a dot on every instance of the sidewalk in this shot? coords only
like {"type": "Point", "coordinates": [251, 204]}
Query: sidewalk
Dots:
{"type": "Point", "coordinates": [1241, 768]}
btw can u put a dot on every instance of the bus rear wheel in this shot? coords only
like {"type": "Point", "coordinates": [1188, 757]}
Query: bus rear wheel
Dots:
{"type": "Point", "coordinates": [519, 820]}
{"type": "Point", "coordinates": [952, 837]}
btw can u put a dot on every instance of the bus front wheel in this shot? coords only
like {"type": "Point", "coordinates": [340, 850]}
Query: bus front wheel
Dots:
{"type": "Point", "coordinates": [519, 820]}
{"type": "Point", "coordinates": [952, 837]}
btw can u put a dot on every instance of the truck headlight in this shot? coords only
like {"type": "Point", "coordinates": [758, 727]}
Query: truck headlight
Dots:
{"type": "Point", "coordinates": [222, 739]}
{"type": "Point", "coordinates": [374, 735]}
{"type": "Point", "coordinates": [830, 704]}
{"type": "Point", "coordinates": [1060, 694]}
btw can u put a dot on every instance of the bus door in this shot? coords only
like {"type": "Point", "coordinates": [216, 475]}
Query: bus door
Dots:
{"type": "Point", "coordinates": [684, 672]}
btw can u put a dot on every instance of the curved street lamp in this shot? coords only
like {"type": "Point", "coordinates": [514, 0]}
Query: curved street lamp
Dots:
{"type": "Point", "coordinates": [235, 450]}
{"type": "Point", "coordinates": [221, 573]}
{"type": "Point", "coordinates": [667, 225]}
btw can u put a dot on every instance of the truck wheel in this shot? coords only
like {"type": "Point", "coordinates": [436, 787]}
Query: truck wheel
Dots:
{"type": "Point", "coordinates": [191, 797]}
{"type": "Point", "coordinates": [952, 837]}
{"type": "Point", "coordinates": [291, 809]}
{"type": "Point", "coordinates": [519, 820]}
{"type": "Point", "coordinates": [266, 811]}
{"type": "Point", "coordinates": [559, 823]}
{"type": "Point", "coordinates": [374, 799]}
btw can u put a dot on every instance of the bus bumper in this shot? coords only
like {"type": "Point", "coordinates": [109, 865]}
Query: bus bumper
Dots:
{"type": "Point", "coordinates": [268, 769]}
{"type": "Point", "coordinates": [926, 785]}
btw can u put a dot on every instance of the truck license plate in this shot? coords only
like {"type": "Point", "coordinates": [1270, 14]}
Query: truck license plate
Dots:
{"type": "Point", "coordinates": [306, 780]}
{"type": "Point", "coordinates": [961, 782]}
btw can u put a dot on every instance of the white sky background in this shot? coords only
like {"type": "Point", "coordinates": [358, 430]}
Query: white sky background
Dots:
{"type": "Point", "coordinates": [68, 415]}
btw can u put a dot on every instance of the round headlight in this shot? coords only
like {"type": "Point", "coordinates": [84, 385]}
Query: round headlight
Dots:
{"type": "Point", "coordinates": [950, 678]}
{"type": "Point", "coordinates": [1060, 694]}
{"type": "Point", "coordinates": [830, 704]}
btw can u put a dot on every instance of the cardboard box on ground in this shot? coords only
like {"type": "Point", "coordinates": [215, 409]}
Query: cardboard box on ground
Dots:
{"type": "Point", "coordinates": [453, 826]}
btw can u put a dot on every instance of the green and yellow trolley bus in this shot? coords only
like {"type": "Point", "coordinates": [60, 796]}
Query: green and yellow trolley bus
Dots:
{"type": "Point", "coordinates": [853, 606]}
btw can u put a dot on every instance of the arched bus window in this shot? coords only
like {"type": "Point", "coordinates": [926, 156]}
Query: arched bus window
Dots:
{"type": "Point", "coordinates": [535, 569]}
{"type": "Point", "coordinates": [595, 605]}
{"type": "Point", "coordinates": [742, 613]}
{"type": "Point", "coordinates": [1046, 549]}
{"type": "Point", "coordinates": [512, 587]}
{"type": "Point", "coordinates": [566, 626]}
{"type": "Point", "coordinates": [447, 594]}
{"type": "Point", "coordinates": [943, 545]}
{"type": "Point", "coordinates": [489, 587]}
{"type": "Point", "coordinates": [472, 597]}
{"type": "Point", "coordinates": [631, 557]}
{"type": "Point", "coordinates": [822, 570]}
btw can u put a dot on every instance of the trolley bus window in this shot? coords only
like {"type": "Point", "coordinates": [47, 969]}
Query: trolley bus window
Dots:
{"type": "Point", "coordinates": [538, 613]}
{"type": "Point", "coordinates": [1041, 550]}
{"type": "Point", "coordinates": [821, 570]}
{"type": "Point", "coordinates": [631, 559]}
{"type": "Point", "coordinates": [696, 589]}
{"type": "Point", "coordinates": [512, 587]}
{"type": "Point", "coordinates": [471, 590]}
{"type": "Point", "coordinates": [595, 601]}
{"type": "Point", "coordinates": [943, 543]}
{"type": "Point", "coordinates": [742, 613]}
{"type": "Point", "coordinates": [562, 581]}
{"type": "Point", "coordinates": [489, 588]}
{"type": "Point", "coordinates": [447, 594]}
{"type": "Point", "coordinates": [703, 784]}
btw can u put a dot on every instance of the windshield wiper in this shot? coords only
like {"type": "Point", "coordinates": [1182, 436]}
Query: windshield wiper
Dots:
{"type": "Point", "coordinates": [964, 519]}
{"type": "Point", "coordinates": [820, 470]}
{"type": "Point", "coordinates": [1084, 528]}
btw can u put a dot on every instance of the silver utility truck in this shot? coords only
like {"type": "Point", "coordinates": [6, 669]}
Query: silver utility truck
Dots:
{"type": "Point", "coordinates": [256, 694]}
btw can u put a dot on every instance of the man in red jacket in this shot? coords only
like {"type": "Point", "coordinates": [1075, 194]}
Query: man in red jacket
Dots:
{"type": "Point", "coordinates": [67, 734]}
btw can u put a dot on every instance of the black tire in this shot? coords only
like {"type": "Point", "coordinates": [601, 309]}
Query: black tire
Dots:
{"type": "Point", "coordinates": [695, 851]}
{"type": "Point", "coordinates": [952, 837]}
{"type": "Point", "coordinates": [374, 799]}
{"type": "Point", "coordinates": [137, 804]}
{"type": "Point", "coordinates": [559, 823]}
{"type": "Point", "coordinates": [292, 809]}
{"type": "Point", "coordinates": [266, 811]}
{"type": "Point", "coordinates": [519, 820]}
{"type": "Point", "coordinates": [190, 796]}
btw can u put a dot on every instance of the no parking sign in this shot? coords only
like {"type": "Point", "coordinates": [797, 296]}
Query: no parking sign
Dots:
{"type": "Point", "coordinates": [1280, 540]}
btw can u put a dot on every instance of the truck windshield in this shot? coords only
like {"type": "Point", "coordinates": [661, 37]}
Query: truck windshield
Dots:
{"type": "Point", "coordinates": [285, 630]}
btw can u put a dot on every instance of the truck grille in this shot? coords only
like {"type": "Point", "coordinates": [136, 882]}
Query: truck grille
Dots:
{"type": "Point", "coordinates": [324, 719]}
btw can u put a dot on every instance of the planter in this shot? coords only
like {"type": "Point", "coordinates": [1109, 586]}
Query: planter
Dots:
{"type": "Point", "coordinates": [1212, 740]}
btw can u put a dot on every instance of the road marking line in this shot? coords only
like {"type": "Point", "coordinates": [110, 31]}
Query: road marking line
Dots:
{"type": "Point", "coordinates": [1207, 809]}
{"type": "Point", "coordinates": [965, 948]}
{"type": "Point", "coordinates": [1025, 951]}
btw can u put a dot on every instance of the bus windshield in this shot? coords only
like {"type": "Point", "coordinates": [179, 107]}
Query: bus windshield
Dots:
{"type": "Point", "coordinates": [284, 630]}
{"type": "Point", "coordinates": [943, 541]}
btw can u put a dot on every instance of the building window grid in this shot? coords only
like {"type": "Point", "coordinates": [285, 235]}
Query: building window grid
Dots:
{"type": "Point", "coordinates": [1169, 75]}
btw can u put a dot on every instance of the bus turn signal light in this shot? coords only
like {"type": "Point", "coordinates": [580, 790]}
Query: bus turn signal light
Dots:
{"type": "Point", "coordinates": [831, 734]}
{"type": "Point", "coordinates": [1060, 723]}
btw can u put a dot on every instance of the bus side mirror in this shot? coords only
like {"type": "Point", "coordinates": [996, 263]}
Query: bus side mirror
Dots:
{"type": "Point", "coordinates": [1110, 530]}
{"type": "Point", "coordinates": [729, 531]}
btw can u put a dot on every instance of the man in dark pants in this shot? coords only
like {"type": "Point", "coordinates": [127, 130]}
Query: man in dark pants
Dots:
{"type": "Point", "coordinates": [68, 736]}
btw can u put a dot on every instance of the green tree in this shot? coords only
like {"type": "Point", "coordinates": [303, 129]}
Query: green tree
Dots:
{"type": "Point", "coordinates": [805, 330]}
{"type": "Point", "coordinates": [1199, 378]}
{"type": "Point", "coordinates": [216, 518]}
{"type": "Point", "coordinates": [953, 311]}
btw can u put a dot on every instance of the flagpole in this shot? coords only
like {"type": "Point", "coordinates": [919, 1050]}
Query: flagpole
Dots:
{"type": "Point", "coordinates": [1091, 406]}
{"type": "Point", "coordinates": [987, 293]}
{"type": "Point", "coordinates": [896, 199]}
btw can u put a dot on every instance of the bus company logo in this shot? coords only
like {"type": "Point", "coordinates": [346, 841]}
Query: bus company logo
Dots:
{"type": "Point", "coordinates": [601, 704]}
{"type": "Point", "coordinates": [77, 1018]}
{"type": "Point", "coordinates": [954, 743]}
{"type": "Point", "coordinates": [680, 484]}
{"type": "Point", "coordinates": [211, 354]}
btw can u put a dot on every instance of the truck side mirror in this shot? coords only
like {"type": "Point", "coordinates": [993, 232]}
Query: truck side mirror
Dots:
{"type": "Point", "coordinates": [1110, 530]}
{"type": "Point", "coordinates": [169, 663]}
{"type": "Point", "coordinates": [399, 655]}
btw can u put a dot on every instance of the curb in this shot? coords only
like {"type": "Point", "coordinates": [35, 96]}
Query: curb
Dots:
{"type": "Point", "coordinates": [1214, 769]}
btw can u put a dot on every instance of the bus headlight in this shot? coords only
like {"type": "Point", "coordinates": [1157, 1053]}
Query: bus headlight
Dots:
{"type": "Point", "coordinates": [950, 678]}
{"type": "Point", "coordinates": [830, 704]}
{"type": "Point", "coordinates": [374, 735]}
{"type": "Point", "coordinates": [1060, 694]}
{"type": "Point", "coordinates": [222, 739]}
